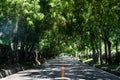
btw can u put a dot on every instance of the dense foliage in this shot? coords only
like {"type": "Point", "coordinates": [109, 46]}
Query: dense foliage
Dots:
{"type": "Point", "coordinates": [32, 30]}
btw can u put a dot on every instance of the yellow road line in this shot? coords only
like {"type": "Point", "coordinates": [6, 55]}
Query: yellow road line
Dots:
{"type": "Point", "coordinates": [62, 71]}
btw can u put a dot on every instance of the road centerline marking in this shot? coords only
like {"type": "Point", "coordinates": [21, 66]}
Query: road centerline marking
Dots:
{"type": "Point", "coordinates": [62, 70]}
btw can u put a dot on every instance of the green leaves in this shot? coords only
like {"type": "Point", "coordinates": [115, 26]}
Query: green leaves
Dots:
{"type": "Point", "coordinates": [62, 19]}
{"type": "Point", "coordinates": [40, 16]}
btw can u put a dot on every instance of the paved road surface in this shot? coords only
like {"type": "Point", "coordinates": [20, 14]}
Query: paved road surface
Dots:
{"type": "Point", "coordinates": [63, 68]}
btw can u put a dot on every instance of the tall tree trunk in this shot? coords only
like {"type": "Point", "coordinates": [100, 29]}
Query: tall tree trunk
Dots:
{"type": "Point", "coordinates": [93, 55]}
{"type": "Point", "coordinates": [36, 57]}
{"type": "Point", "coordinates": [100, 53]}
{"type": "Point", "coordinates": [116, 44]}
{"type": "Point", "coordinates": [30, 55]}
{"type": "Point", "coordinates": [86, 53]}
{"type": "Point", "coordinates": [15, 44]}
{"type": "Point", "coordinates": [22, 53]}
{"type": "Point", "coordinates": [109, 52]}
{"type": "Point", "coordinates": [117, 60]}
{"type": "Point", "coordinates": [106, 51]}
{"type": "Point", "coordinates": [15, 40]}
{"type": "Point", "coordinates": [93, 47]}
{"type": "Point", "coordinates": [97, 53]}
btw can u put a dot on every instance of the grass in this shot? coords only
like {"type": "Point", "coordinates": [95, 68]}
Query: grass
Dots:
{"type": "Point", "coordinates": [115, 66]}
{"type": "Point", "coordinates": [114, 69]}
{"type": "Point", "coordinates": [88, 60]}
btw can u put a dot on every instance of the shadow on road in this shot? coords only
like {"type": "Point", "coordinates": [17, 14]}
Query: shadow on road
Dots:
{"type": "Point", "coordinates": [78, 71]}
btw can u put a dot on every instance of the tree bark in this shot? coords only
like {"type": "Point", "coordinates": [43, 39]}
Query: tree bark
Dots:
{"type": "Point", "coordinates": [109, 52]}
{"type": "Point", "coordinates": [116, 44]}
{"type": "Point", "coordinates": [15, 40]}
{"type": "Point", "coordinates": [117, 60]}
{"type": "Point", "coordinates": [36, 57]}
{"type": "Point", "coordinates": [100, 53]}
{"type": "Point", "coordinates": [22, 53]}
{"type": "Point", "coordinates": [94, 56]}
{"type": "Point", "coordinates": [106, 51]}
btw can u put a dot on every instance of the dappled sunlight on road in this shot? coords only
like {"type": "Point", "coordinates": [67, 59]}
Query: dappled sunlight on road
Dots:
{"type": "Point", "coordinates": [73, 70]}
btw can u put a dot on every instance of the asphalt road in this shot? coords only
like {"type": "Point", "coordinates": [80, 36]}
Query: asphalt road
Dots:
{"type": "Point", "coordinates": [62, 68]}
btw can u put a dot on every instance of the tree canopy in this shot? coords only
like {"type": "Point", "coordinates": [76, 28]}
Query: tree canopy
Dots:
{"type": "Point", "coordinates": [51, 27]}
